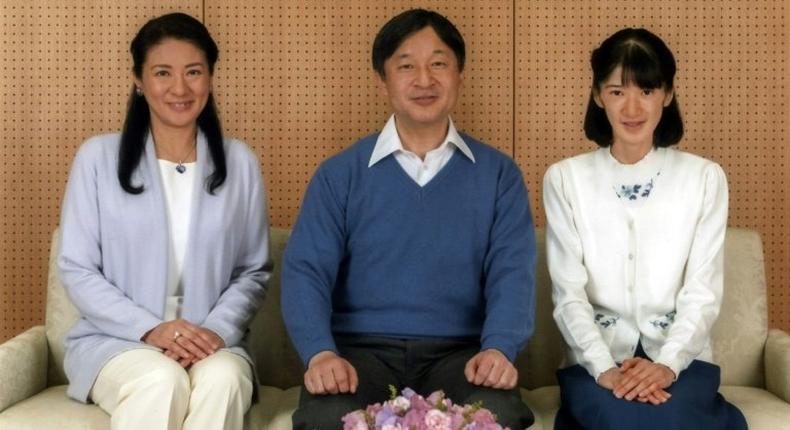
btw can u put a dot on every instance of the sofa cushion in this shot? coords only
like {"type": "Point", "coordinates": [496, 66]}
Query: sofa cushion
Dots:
{"type": "Point", "coordinates": [763, 410]}
{"type": "Point", "coordinates": [276, 361]}
{"type": "Point", "coordinates": [52, 410]}
{"type": "Point", "coordinates": [538, 363]}
{"type": "Point", "coordinates": [543, 402]}
{"type": "Point", "coordinates": [273, 410]}
{"type": "Point", "coordinates": [738, 336]}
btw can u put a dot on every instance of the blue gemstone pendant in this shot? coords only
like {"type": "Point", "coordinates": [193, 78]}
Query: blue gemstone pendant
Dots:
{"type": "Point", "coordinates": [180, 168]}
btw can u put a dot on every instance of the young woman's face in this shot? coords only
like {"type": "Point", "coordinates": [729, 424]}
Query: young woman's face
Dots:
{"type": "Point", "coordinates": [633, 112]}
{"type": "Point", "coordinates": [176, 82]}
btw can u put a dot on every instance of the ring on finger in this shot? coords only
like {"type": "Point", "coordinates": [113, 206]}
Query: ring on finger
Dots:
{"type": "Point", "coordinates": [176, 335]}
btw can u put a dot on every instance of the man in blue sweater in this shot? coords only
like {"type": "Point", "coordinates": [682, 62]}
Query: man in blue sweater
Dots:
{"type": "Point", "coordinates": [412, 260]}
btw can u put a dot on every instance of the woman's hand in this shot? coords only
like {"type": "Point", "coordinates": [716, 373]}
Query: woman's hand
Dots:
{"type": "Point", "coordinates": [183, 341]}
{"type": "Point", "coordinates": [618, 379]}
{"type": "Point", "coordinates": [611, 378]}
{"type": "Point", "coordinates": [644, 380]}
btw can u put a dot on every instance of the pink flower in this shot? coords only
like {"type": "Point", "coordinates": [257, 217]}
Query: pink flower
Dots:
{"type": "Point", "coordinates": [355, 421]}
{"type": "Point", "coordinates": [400, 404]}
{"type": "Point", "coordinates": [484, 416]}
{"type": "Point", "coordinates": [437, 420]}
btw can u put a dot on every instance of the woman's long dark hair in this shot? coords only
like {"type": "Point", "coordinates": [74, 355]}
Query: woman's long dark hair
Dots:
{"type": "Point", "coordinates": [137, 124]}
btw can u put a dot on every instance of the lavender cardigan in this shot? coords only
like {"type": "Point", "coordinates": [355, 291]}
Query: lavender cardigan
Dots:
{"type": "Point", "coordinates": [114, 248]}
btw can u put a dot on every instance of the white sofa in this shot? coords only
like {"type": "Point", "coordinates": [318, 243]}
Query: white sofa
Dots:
{"type": "Point", "coordinates": [755, 361]}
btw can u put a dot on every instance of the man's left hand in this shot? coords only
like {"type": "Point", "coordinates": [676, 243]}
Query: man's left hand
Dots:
{"type": "Point", "coordinates": [490, 368]}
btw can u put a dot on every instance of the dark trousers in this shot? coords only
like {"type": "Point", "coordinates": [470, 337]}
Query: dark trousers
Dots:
{"type": "Point", "coordinates": [425, 365]}
{"type": "Point", "coordinates": [695, 403]}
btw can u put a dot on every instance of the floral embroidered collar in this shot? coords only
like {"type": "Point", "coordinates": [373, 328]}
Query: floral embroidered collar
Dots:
{"type": "Point", "coordinates": [636, 191]}
{"type": "Point", "coordinates": [635, 182]}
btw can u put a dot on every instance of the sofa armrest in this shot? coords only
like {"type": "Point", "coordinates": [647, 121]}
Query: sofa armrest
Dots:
{"type": "Point", "coordinates": [23, 366]}
{"type": "Point", "coordinates": [777, 364]}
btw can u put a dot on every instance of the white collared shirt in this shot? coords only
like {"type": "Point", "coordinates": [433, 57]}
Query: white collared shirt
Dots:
{"type": "Point", "coordinates": [421, 171]}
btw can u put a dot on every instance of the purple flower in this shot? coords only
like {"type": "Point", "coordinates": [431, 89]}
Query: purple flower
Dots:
{"type": "Point", "coordinates": [408, 393]}
{"type": "Point", "coordinates": [386, 416]}
{"type": "Point", "coordinates": [410, 411]}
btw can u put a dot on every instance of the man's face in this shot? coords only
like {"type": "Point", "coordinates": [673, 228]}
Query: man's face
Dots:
{"type": "Point", "coordinates": [422, 80]}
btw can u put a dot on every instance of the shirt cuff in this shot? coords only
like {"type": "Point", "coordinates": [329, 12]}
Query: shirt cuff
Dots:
{"type": "Point", "coordinates": [598, 367]}
{"type": "Point", "coordinates": [673, 357]}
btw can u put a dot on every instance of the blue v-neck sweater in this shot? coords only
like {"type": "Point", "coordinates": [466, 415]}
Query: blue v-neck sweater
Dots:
{"type": "Point", "coordinates": [374, 253]}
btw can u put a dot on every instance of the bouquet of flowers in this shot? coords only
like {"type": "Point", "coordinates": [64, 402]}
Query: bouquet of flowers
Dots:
{"type": "Point", "coordinates": [411, 411]}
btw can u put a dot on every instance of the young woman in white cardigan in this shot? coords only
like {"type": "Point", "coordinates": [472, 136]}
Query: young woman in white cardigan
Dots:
{"type": "Point", "coordinates": [164, 248]}
{"type": "Point", "coordinates": [635, 236]}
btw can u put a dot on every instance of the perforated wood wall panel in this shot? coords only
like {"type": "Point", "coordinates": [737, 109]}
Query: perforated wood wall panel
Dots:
{"type": "Point", "coordinates": [294, 81]}
{"type": "Point", "coordinates": [65, 76]}
{"type": "Point", "coordinates": [732, 86]}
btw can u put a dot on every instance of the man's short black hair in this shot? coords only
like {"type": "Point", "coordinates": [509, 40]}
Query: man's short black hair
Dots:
{"type": "Point", "coordinates": [647, 62]}
{"type": "Point", "coordinates": [397, 29]}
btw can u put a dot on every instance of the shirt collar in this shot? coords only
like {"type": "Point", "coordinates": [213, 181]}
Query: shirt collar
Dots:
{"type": "Point", "coordinates": [389, 142]}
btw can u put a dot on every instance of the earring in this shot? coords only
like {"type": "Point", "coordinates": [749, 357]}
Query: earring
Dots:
{"type": "Point", "coordinates": [138, 91]}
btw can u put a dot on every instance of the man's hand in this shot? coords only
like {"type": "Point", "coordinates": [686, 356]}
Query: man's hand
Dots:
{"type": "Point", "coordinates": [183, 341]}
{"type": "Point", "coordinates": [327, 373]}
{"type": "Point", "coordinates": [644, 380]}
{"type": "Point", "coordinates": [490, 368]}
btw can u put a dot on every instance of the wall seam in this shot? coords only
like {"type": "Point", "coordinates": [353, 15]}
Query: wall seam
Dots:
{"type": "Point", "coordinates": [513, 83]}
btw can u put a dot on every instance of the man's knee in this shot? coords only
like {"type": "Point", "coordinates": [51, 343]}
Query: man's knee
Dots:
{"type": "Point", "coordinates": [507, 405]}
{"type": "Point", "coordinates": [324, 412]}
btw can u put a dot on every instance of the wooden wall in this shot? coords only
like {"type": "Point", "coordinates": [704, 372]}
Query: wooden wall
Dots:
{"type": "Point", "coordinates": [294, 81]}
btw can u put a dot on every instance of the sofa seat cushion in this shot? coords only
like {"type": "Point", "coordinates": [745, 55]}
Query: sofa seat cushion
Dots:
{"type": "Point", "coordinates": [273, 409]}
{"type": "Point", "coordinates": [763, 410]}
{"type": "Point", "coordinates": [52, 410]}
{"type": "Point", "coordinates": [543, 402]}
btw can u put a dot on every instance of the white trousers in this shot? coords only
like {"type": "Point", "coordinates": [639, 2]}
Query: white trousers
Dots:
{"type": "Point", "coordinates": [143, 389]}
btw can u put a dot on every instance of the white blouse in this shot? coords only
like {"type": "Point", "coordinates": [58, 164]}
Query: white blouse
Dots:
{"type": "Point", "coordinates": [625, 269]}
{"type": "Point", "coordinates": [178, 189]}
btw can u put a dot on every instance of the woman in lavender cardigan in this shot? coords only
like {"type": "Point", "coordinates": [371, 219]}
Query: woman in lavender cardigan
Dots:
{"type": "Point", "coordinates": [164, 248]}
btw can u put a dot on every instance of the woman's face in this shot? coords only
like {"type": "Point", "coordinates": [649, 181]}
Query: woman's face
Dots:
{"type": "Point", "coordinates": [176, 82]}
{"type": "Point", "coordinates": [633, 112]}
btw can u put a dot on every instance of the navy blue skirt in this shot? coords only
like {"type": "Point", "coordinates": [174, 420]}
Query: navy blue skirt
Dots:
{"type": "Point", "coordinates": [695, 404]}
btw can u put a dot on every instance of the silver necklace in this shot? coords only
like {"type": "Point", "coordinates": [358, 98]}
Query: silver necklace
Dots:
{"type": "Point", "coordinates": [180, 167]}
